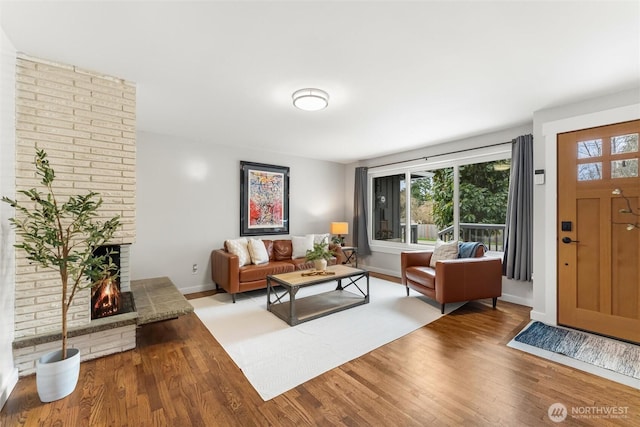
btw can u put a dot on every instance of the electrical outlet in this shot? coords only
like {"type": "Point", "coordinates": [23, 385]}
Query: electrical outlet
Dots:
{"type": "Point", "coordinates": [194, 269]}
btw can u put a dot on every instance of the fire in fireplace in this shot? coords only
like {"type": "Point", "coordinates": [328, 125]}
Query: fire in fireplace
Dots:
{"type": "Point", "coordinates": [105, 295]}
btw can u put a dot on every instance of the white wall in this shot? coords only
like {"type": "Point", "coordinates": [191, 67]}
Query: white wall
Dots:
{"type": "Point", "coordinates": [8, 372]}
{"type": "Point", "coordinates": [188, 203]}
{"type": "Point", "coordinates": [387, 260]}
{"type": "Point", "coordinates": [615, 108]}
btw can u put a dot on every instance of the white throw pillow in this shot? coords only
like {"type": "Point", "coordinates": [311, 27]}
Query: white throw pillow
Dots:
{"type": "Point", "coordinates": [444, 250]}
{"type": "Point", "coordinates": [239, 247]}
{"type": "Point", "coordinates": [300, 245]}
{"type": "Point", "coordinates": [321, 238]}
{"type": "Point", "coordinates": [258, 252]}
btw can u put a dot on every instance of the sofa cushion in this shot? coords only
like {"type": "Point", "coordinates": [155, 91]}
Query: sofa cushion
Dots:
{"type": "Point", "coordinates": [424, 275]}
{"type": "Point", "coordinates": [258, 252]}
{"type": "Point", "coordinates": [252, 273]}
{"type": "Point", "coordinates": [301, 264]}
{"type": "Point", "coordinates": [239, 248]}
{"type": "Point", "coordinates": [282, 250]}
{"type": "Point", "coordinates": [444, 250]}
{"type": "Point", "coordinates": [301, 244]}
{"type": "Point", "coordinates": [268, 244]}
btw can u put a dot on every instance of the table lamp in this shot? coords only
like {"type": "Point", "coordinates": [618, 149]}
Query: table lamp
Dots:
{"type": "Point", "coordinates": [340, 228]}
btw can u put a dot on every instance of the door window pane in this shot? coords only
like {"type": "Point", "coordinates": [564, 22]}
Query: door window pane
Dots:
{"type": "Point", "coordinates": [592, 148]}
{"type": "Point", "coordinates": [627, 168]}
{"type": "Point", "coordinates": [590, 171]}
{"type": "Point", "coordinates": [624, 144]}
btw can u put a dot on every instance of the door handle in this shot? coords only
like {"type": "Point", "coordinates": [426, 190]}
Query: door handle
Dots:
{"type": "Point", "coordinates": [568, 240]}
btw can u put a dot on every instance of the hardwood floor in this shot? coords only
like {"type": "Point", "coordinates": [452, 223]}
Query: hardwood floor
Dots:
{"type": "Point", "coordinates": [454, 371]}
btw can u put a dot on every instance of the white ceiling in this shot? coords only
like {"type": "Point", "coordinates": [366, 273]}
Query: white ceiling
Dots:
{"type": "Point", "coordinates": [401, 75]}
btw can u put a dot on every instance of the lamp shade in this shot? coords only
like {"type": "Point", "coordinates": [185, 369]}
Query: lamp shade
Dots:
{"type": "Point", "coordinates": [339, 228]}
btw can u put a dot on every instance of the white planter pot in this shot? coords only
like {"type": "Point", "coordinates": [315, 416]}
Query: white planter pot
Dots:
{"type": "Point", "coordinates": [320, 264]}
{"type": "Point", "coordinates": [57, 378]}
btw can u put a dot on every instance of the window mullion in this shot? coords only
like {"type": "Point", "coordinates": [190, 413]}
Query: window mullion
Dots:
{"type": "Point", "coordinates": [407, 203]}
{"type": "Point", "coordinates": [456, 206]}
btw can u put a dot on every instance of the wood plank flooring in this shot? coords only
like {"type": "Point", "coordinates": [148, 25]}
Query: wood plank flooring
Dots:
{"type": "Point", "coordinates": [455, 371]}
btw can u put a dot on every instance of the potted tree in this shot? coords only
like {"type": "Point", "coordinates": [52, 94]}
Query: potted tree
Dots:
{"type": "Point", "coordinates": [61, 236]}
{"type": "Point", "coordinates": [320, 254]}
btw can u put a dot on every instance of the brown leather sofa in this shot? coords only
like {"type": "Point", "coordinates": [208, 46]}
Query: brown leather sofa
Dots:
{"type": "Point", "coordinates": [228, 275]}
{"type": "Point", "coordinates": [454, 280]}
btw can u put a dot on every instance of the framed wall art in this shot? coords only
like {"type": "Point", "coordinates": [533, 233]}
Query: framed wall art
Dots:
{"type": "Point", "coordinates": [264, 199]}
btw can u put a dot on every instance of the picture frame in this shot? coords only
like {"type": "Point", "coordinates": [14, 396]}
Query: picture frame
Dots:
{"type": "Point", "coordinates": [264, 199]}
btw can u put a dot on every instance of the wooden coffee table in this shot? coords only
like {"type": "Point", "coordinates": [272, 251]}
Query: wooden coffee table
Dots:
{"type": "Point", "coordinates": [297, 310]}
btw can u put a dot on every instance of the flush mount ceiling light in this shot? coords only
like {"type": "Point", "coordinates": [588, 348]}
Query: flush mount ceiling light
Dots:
{"type": "Point", "coordinates": [310, 99]}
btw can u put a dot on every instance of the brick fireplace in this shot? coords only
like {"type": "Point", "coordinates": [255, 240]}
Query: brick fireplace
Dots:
{"type": "Point", "coordinates": [86, 123]}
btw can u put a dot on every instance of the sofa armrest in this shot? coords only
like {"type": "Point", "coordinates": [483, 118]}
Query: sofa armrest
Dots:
{"type": "Point", "coordinates": [225, 270]}
{"type": "Point", "coordinates": [468, 278]}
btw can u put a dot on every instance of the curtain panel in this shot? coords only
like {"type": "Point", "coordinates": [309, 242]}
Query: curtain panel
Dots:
{"type": "Point", "coordinates": [360, 233]}
{"type": "Point", "coordinates": [518, 246]}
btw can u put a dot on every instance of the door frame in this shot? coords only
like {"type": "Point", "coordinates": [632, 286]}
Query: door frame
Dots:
{"type": "Point", "coordinates": [546, 311]}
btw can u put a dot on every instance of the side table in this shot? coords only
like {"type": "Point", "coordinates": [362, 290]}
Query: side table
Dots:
{"type": "Point", "coordinates": [351, 252]}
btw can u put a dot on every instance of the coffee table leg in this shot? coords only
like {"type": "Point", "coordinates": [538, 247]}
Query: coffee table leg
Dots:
{"type": "Point", "coordinates": [366, 298]}
{"type": "Point", "coordinates": [268, 293]}
{"type": "Point", "coordinates": [293, 320]}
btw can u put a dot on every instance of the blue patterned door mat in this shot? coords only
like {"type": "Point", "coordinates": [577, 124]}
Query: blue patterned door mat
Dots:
{"type": "Point", "coordinates": [617, 356]}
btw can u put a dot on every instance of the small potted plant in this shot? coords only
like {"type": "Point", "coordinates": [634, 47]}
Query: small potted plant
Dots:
{"type": "Point", "coordinates": [320, 254]}
{"type": "Point", "coordinates": [61, 236]}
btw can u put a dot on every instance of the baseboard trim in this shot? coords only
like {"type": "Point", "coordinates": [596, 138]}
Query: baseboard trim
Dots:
{"type": "Point", "coordinates": [542, 317]}
{"type": "Point", "coordinates": [8, 387]}
{"type": "Point", "coordinates": [393, 273]}
{"type": "Point", "coordinates": [517, 300]}
{"type": "Point", "coordinates": [196, 289]}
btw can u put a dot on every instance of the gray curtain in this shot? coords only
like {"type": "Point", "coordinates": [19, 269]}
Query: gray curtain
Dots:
{"type": "Point", "coordinates": [518, 235]}
{"type": "Point", "coordinates": [360, 237]}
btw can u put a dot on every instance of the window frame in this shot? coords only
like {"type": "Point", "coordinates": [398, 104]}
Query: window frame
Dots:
{"type": "Point", "coordinates": [455, 160]}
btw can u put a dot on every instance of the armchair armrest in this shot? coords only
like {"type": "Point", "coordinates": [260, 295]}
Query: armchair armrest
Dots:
{"type": "Point", "coordinates": [409, 259]}
{"type": "Point", "coordinates": [225, 270]}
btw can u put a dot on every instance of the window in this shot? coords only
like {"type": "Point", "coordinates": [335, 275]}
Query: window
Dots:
{"type": "Point", "coordinates": [484, 190]}
{"type": "Point", "coordinates": [389, 208]}
{"type": "Point", "coordinates": [464, 200]}
{"type": "Point", "coordinates": [622, 148]}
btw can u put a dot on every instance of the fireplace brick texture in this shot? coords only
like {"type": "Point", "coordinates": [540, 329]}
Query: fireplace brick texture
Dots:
{"type": "Point", "coordinates": [91, 346]}
{"type": "Point", "coordinates": [86, 122]}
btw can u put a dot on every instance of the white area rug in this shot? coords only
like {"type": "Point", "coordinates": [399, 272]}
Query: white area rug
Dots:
{"type": "Point", "coordinates": [276, 357]}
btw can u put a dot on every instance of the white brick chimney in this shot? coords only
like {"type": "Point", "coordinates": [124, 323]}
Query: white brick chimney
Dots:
{"type": "Point", "coordinates": [86, 122]}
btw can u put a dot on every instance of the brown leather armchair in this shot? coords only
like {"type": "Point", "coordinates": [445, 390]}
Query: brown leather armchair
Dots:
{"type": "Point", "coordinates": [454, 280]}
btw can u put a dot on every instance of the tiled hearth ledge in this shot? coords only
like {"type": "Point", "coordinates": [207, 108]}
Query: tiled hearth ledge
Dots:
{"type": "Point", "coordinates": [154, 300]}
{"type": "Point", "coordinates": [158, 299]}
